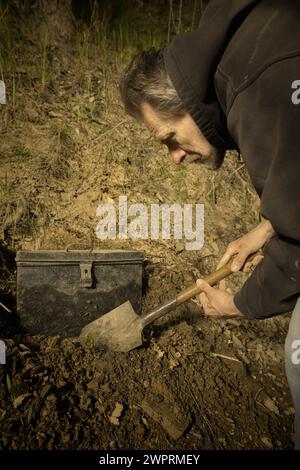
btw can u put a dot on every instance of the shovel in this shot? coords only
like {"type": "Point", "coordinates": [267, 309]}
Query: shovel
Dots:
{"type": "Point", "coordinates": [121, 328]}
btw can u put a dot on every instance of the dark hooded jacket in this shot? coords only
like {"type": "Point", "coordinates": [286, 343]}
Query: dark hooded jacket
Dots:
{"type": "Point", "coordinates": [237, 77]}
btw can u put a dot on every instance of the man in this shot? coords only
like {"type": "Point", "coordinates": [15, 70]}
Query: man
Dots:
{"type": "Point", "coordinates": [231, 85]}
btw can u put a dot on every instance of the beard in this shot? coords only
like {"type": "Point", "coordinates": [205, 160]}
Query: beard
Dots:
{"type": "Point", "coordinates": [213, 161]}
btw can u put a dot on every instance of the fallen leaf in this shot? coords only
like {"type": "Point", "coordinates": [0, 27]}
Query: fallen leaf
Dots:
{"type": "Point", "coordinates": [19, 400]}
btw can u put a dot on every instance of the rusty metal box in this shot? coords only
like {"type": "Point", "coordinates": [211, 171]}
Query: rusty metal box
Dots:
{"type": "Point", "coordinates": [59, 292]}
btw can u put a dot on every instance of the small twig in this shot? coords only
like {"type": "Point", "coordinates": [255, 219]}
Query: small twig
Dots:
{"type": "Point", "coordinates": [170, 19]}
{"type": "Point", "coordinates": [179, 17]}
{"type": "Point", "coordinates": [194, 15]}
{"type": "Point", "coordinates": [5, 308]}
{"type": "Point", "coordinates": [206, 421]}
{"type": "Point", "coordinates": [214, 191]}
{"type": "Point", "coordinates": [236, 173]}
{"type": "Point", "coordinates": [257, 394]}
{"type": "Point", "coordinates": [201, 7]}
{"type": "Point", "coordinates": [98, 121]}
{"type": "Point", "coordinates": [15, 225]}
{"type": "Point", "coordinates": [226, 357]}
{"type": "Point", "coordinates": [265, 409]}
{"type": "Point", "coordinates": [238, 169]}
{"type": "Point", "coordinates": [3, 14]}
{"type": "Point", "coordinates": [109, 130]}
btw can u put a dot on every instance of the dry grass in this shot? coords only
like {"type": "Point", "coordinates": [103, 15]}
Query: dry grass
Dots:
{"type": "Point", "coordinates": [68, 146]}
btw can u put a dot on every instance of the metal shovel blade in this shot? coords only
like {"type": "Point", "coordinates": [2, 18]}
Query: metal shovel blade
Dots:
{"type": "Point", "coordinates": [118, 330]}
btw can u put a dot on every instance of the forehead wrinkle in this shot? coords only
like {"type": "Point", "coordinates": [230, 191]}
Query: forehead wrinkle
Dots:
{"type": "Point", "coordinates": [154, 123]}
{"type": "Point", "coordinates": [163, 132]}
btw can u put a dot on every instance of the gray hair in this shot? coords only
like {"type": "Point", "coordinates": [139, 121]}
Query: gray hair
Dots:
{"type": "Point", "coordinates": [146, 80]}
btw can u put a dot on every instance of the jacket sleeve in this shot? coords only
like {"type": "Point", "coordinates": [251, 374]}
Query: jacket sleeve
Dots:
{"type": "Point", "coordinates": [271, 130]}
{"type": "Point", "coordinates": [274, 285]}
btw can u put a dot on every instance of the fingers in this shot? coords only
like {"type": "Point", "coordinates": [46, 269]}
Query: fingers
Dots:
{"type": "Point", "coordinates": [257, 260]}
{"type": "Point", "coordinates": [209, 311]}
{"type": "Point", "coordinates": [251, 264]}
{"type": "Point", "coordinates": [206, 298]}
{"type": "Point", "coordinates": [239, 260]}
{"type": "Point", "coordinates": [204, 302]}
{"type": "Point", "coordinates": [209, 306]}
{"type": "Point", "coordinates": [222, 287]}
{"type": "Point", "coordinates": [203, 299]}
{"type": "Point", "coordinates": [231, 250]}
{"type": "Point", "coordinates": [205, 287]}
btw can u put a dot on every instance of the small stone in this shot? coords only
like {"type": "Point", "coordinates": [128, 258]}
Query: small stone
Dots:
{"type": "Point", "coordinates": [179, 247]}
{"type": "Point", "coordinates": [140, 430]}
{"type": "Point", "coordinates": [114, 418]}
{"type": "Point", "coordinates": [271, 406]}
{"type": "Point", "coordinates": [173, 363]}
{"type": "Point", "coordinates": [267, 442]}
{"type": "Point", "coordinates": [289, 411]}
{"type": "Point", "coordinates": [222, 441]}
{"type": "Point", "coordinates": [145, 422]}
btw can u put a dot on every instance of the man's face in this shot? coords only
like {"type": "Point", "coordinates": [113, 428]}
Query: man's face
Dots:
{"type": "Point", "coordinates": [184, 140]}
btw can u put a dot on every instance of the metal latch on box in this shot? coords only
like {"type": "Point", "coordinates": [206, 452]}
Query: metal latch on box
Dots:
{"type": "Point", "coordinates": [86, 274]}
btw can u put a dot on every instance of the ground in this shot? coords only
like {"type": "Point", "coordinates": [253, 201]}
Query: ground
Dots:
{"type": "Point", "coordinates": [66, 147]}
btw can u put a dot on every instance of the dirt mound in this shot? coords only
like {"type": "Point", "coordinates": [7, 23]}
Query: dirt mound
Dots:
{"type": "Point", "coordinates": [195, 384]}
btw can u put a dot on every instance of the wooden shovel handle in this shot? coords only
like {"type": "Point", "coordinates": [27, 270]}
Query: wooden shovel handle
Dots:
{"type": "Point", "coordinates": [211, 279]}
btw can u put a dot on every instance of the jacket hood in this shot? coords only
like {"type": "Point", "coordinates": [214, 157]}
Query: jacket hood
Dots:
{"type": "Point", "coordinates": [192, 59]}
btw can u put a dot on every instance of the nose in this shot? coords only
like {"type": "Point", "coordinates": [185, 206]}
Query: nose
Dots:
{"type": "Point", "coordinates": [177, 155]}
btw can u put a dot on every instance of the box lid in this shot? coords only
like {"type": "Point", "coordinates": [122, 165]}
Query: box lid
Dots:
{"type": "Point", "coordinates": [77, 256]}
